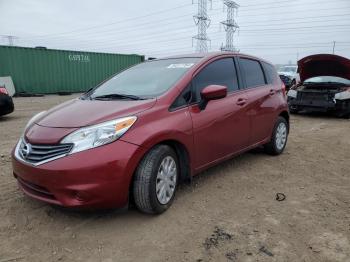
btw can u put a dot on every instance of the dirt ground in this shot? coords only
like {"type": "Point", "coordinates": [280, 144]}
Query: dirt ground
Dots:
{"type": "Point", "coordinates": [228, 213]}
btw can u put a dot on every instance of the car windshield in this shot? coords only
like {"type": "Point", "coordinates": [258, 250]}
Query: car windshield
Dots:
{"type": "Point", "coordinates": [292, 69]}
{"type": "Point", "coordinates": [327, 79]}
{"type": "Point", "coordinates": [145, 80]}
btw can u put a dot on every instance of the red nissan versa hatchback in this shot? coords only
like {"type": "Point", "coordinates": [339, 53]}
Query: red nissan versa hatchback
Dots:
{"type": "Point", "coordinates": [140, 133]}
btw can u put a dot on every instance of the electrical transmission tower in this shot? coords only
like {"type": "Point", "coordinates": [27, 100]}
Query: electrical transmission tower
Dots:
{"type": "Point", "coordinates": [202, 21]}
{"type": "Point", "coordinates": [10, 39]}
{"type": "Point", "coordinates": [230, 25]}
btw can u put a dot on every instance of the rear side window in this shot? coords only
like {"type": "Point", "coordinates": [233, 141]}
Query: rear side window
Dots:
{"type": "Point", "coordinates": [219, 72]}
{"type": "Point", "coordinates": [253, 73]}
{"type": "Point", "coordinates": [270, 73]}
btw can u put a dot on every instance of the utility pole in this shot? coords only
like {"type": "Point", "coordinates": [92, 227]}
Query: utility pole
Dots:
{"type": "Point", "coordinates": [202, 21]}
{"type": "Point", "coordinates": [333, 47]}
{"type": "Point", "coordinates": [10, 39]}
{"type": "Point", "coordinates": [230, 25]}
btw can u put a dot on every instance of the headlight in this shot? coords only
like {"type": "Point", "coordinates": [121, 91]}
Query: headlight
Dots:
{"type": "Point", "coordinates": [292, 93]}
{"type": "Point", "coordinates": [342, 95]}
{"type": "Point", "coordinates": [33, 119]}
{"type": "Point", "coordinates": [98, 135]}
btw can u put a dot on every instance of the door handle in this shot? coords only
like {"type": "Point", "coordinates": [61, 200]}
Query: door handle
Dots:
{"type": "Point", "coordinates": [272, 92]}
{"type": "Point", "coordinates": [241, 101]}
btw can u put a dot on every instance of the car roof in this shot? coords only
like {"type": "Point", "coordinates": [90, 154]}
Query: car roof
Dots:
{"type": "Point", "coordinates": [209, 55]}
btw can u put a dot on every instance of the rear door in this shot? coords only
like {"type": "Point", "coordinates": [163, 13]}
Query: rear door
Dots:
{"type": "Point", "coordinates": [222, 127]}
{"type": "Point", "coordinates": [262, 99]}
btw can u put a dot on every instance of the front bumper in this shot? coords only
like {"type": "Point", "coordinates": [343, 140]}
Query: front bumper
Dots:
{"type": "Point", "coordinates": [311, 105]}
{"type": "Point", "coordinates": [6, 105]}
{"type": "Point", "coordinates": [338, 106]}
{"type": "Point", "coordinates": [95, 178]}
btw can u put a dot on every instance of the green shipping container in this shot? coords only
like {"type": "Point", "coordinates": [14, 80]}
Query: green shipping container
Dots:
{"type": "Point", "coordinates": [47, 71]}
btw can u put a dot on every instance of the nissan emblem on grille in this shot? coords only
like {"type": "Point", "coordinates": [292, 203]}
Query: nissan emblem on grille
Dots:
{"type": "Point", "coordinates": [40, 153]}
{"type": "Point", "coordinates": [26, 150]}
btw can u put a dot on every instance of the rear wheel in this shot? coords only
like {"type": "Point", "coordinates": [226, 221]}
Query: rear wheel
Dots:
{"type": "Point", "coordinates": [279, 137]}
{"type": "Point", "coordinates": [156, 180]}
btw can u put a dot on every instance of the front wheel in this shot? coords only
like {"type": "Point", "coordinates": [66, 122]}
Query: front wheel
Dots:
{"type": "Point", "coordinates": [156, 180]}
{"type": "Point", "coordinates": [279, 137]}
{"type": "Point", "coordinates": [293, 110]}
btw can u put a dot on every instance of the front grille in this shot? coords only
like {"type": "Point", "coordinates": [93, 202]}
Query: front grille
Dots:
{"type": "Point", "coordinates": [42, 153]}
{"type": "Point", "coordinates": [315, 96]}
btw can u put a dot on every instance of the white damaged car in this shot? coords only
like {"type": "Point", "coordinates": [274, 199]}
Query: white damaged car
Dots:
{"type": "Point", "coordinates": [324, 85]}
{"type": "Point", "coordinates": [289, 75]}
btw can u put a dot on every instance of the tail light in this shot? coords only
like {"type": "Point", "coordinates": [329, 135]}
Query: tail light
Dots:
{"type": "Point", "coordinates": [3, 90]}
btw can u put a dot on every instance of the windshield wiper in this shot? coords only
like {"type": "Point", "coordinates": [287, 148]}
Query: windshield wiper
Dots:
{"type": "Point", "coordinates": [117, 96]}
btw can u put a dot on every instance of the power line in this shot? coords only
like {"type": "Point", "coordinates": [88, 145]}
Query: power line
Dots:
{"type": "Point", "coordinates": [157, 21]}
{"type": "Point", "coordinates": [10, 39]}
{"type": "Point", "coordinates": [155, 13]}
{"type": "Point", "coordinates": [290, 4]}
{"type": "Point", "coordinates": [244, 32]}
{"type": "Point", "coordinates": [299, 18]}
{"type": "Point", "coordinates": [175, 41]}
{"type": "Point", "coordinates": [119, 21]}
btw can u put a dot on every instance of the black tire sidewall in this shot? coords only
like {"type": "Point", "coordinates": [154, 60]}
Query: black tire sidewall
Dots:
{"type": "Point", "coordinates": [279, 120]}
{"type": "Point", "coordinates": [156, 205]}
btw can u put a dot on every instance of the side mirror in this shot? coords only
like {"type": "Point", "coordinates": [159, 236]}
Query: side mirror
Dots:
{"type": "Point", "coordinates": [212, 92]}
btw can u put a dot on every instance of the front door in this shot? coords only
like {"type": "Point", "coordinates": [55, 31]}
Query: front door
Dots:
{"type": "Point", "coordinates": [222, 128]}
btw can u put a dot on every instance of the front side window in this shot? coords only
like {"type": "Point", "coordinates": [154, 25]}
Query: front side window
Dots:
{"type": "Point", "coordinates": [145, 80]}
{"type": "Point", "coordinates": [219, 72]}
{"type": "Point", "coordinates": [183, 99]}
{"type": "Point", "coordinates": [253, 73]}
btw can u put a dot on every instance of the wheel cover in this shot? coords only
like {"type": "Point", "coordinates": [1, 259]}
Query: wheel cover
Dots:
{"type": "Point", "coordinates": [281, 136]}
{"type": "Point", "coordinates": [166, 180]}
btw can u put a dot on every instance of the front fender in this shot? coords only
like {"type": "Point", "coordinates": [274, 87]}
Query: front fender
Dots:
{"type": "Point", "coordinates": [175, 126]}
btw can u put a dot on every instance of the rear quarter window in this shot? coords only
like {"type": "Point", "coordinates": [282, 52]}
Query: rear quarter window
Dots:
{"type": "Point", "coordinates": [270, 73]}
{"type": "Point", "coordinates": [252, 72]}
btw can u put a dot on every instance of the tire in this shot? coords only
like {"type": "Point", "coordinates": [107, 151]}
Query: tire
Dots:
{"type": "Point", "coordinates": [343, 115]}
{"type": "Point", "coordinates": [153, 182]}
{"type": "Point", "coordinates": [293, 109]}
{"type": "Point", "coordinates": [275, 146]}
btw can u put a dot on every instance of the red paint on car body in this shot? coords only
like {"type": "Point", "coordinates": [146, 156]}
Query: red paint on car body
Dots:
{"type": "Point", "coordinates": [100, 177]}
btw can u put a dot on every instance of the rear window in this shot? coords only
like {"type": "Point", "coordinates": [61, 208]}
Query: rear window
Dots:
{"type": "Point", "coordinates": [253, 72]}
{"type": "Point", "coordinates": [270, 73]}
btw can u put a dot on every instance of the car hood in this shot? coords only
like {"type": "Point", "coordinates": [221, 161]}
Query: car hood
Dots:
{"type": "Point", "coordinates": [323, 65]}
{"type": "Point", "coordinates": [79, 113]}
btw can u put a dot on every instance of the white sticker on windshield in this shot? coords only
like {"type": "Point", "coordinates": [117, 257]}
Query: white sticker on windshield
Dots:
{"type": "Point", "coordinates": [188, 65]}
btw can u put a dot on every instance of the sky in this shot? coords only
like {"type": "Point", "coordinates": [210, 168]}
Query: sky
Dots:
{"type": "Point", "coordinates": [280, 31]}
